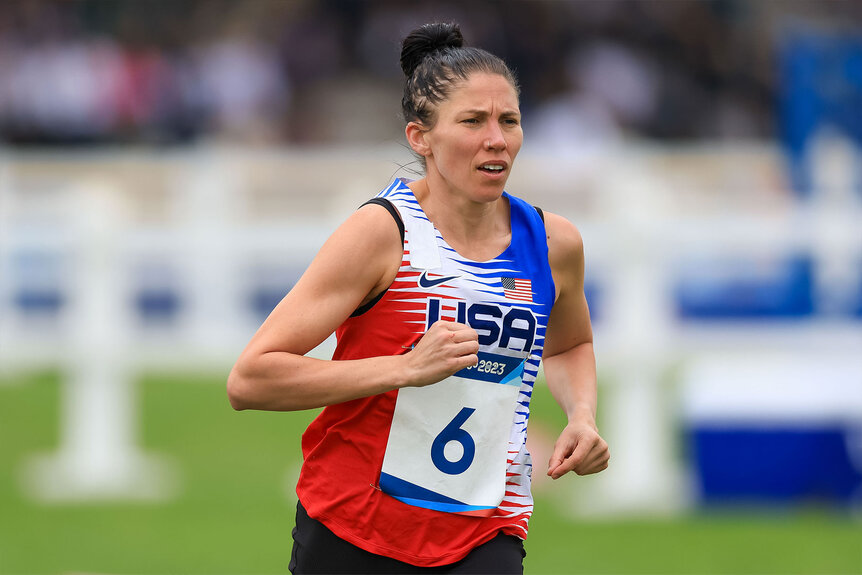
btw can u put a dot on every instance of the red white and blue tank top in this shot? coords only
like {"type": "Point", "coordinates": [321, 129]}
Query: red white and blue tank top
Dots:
{"type": "Point", "coordinates": [424, 475]}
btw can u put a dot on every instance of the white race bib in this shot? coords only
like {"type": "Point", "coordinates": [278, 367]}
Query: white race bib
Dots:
{"type": "Point", "coordinates": [448, 444]}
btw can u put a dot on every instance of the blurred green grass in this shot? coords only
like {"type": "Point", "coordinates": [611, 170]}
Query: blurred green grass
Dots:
{"type": "Point", "coordinates": [234, 513]}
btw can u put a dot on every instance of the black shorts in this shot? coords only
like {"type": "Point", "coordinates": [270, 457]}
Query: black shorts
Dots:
{"type": "Point", "coordinates": [316, 549]}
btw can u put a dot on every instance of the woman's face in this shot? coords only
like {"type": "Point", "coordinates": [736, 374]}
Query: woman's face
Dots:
{"type": "Point", "coordinates": [476, 137]}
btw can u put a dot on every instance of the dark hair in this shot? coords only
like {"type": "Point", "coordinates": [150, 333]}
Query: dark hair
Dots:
{"type": "Point", "coordinates": [434, 59]}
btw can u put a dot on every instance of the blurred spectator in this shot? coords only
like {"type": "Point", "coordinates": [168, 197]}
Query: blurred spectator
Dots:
{"type": "Point", "coordinates": [98, 71]}
{"type": "Point", "coordinates": [242, 88]}
{"type": "Point", "coordinates": [613, 90]}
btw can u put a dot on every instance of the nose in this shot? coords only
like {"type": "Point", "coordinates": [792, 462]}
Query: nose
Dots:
{"type": "Point", "coordinates": [494, 139]}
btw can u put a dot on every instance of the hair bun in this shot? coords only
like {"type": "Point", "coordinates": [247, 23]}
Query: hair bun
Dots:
{"type": "Point", "coordinates": [428, 39]}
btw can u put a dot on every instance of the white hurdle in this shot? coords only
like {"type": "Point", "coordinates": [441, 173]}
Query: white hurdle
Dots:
{"type": "Point", "coordinates": [99, 457]}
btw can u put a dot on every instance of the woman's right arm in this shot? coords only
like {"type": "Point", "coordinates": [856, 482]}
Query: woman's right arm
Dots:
{"type": "Point", "coordinates": [358, 261]}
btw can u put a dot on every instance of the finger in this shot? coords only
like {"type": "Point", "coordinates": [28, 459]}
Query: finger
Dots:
{"type": "Point", "coordinates": [467, 334]}
{"type": "Point", "coordinates": [575, 458]}
{"type": "Point", "coordinates": [596, 461]}
{"type": "Point", "coordinates": [558, 470]}
{"type": "Point", "coordinates": [557, 457]}
{"type": "Point", "coordinates": [580, 454]}
{"type": "Point", "coordinates": [467, 348]}
{"type": "Point", "coordinates": [562, 449]}
{"type": "Point", "coordinates": [599, 465]}
{"type": "Point", "coordinates": [449, 325]}
{"type": "Point", "coordinates": [440, 333]}
{"type": "Point", "coordinates": [465, 361]}
{"type": "Point", "coordinates": [594, 466]}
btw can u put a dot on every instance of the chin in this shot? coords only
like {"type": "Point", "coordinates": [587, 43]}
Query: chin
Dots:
{"type": "Point", "coordinates": [492, 189]}
{"type": "Point", "coordinates": [487, 195]}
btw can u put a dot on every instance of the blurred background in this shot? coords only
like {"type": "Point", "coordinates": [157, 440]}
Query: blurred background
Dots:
{"type": "Point", "coordinates": [168, 170]}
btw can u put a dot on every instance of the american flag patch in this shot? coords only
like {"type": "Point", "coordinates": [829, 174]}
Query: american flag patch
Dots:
{"type": "Point", "coordinates": [518, 289]}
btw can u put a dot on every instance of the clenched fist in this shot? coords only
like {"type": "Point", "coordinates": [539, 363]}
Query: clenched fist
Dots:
{"type": "Point", "coordinates": [446, 348]}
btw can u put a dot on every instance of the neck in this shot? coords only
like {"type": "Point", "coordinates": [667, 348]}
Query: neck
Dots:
{"type": "Point", "coordinates": [477, 230]}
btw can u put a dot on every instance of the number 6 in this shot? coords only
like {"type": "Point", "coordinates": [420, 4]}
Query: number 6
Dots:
{"type": "Point", "coordinates": [453, 432]}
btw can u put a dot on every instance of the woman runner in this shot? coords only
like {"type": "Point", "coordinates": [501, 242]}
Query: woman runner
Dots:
{"type": "Point", "coordinates": [444, 293]}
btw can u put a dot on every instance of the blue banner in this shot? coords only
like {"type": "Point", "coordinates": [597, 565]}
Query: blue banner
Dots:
{"type": "Point", "coordinates": [495, 368]}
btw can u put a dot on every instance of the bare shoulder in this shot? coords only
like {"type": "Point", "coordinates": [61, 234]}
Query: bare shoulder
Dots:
{"type": "Point", "coordinates": [374, 224]}
{"type": "Point", "coordinates": [360, 257]}
{"type": "Point", "coordinates": [366, 247]}
{"type": "Point", "coordinates": [358, 261]}
{"type": "Point", "coordinates": [565, 244]}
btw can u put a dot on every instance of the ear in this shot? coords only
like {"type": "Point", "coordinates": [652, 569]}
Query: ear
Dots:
{"type": "Point", "coordinates": [416, 133]}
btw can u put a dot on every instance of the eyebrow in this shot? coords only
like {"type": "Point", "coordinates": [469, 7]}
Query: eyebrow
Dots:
{"type": "Point", "coordinates": [478, 111]}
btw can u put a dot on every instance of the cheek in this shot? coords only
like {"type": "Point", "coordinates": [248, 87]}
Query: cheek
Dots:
{"type": "Point", "coordinates": [515, 142]}
{"type": "Point", "coordinates": [458, 154]}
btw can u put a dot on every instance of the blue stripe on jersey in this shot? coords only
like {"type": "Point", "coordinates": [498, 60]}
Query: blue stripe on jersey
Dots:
{"type": "Point", "coordinates": [422, 497]}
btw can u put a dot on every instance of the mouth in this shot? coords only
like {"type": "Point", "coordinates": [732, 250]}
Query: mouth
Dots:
{"type": "Point", "coordinates": [493, 167]}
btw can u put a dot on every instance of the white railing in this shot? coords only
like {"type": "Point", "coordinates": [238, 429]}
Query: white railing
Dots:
{"type": "Point", "coordinates": [216, 217]}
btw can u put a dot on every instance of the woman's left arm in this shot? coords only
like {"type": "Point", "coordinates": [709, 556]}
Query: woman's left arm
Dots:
{"type": "Point", "coordinates": [569, 361]}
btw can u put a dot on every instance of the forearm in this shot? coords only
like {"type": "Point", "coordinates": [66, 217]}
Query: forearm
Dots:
{"type": "Point", "coordinates": [280, 381]}
{"type": "Point", "coordinates": [570, 364]}
{"type": "Point", "coordinates": [571, 377]}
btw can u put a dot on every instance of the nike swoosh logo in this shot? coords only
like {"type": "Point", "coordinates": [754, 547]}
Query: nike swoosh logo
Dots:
{"type": "Point", "coordinates": [426, 282]}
